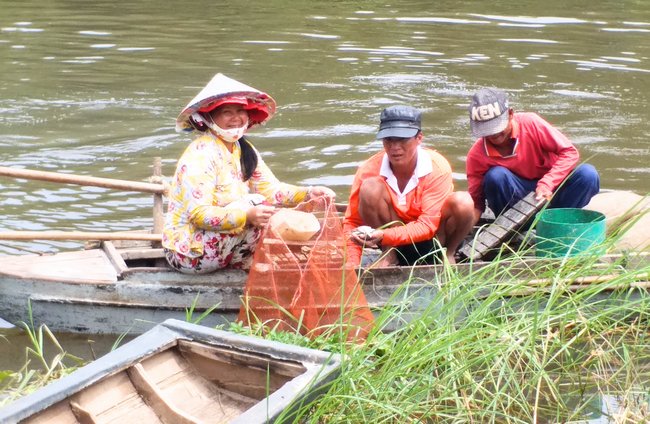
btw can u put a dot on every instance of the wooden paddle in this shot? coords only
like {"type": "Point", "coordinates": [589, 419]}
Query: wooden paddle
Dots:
{"type": "Point", "coordinates": [78, 235]}
{"type": "Point", "coordinates": [157, 189]}
{"type": "Point", "coordinates": [57, 177]}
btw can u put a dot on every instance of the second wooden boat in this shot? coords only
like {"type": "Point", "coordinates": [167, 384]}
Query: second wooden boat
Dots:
{"type": "Point", "coordinates": [183, 373]}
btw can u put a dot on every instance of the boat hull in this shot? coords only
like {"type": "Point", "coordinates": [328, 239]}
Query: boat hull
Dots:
{"type": "Point", "coordinates": [142, 299]}
{"type": "Point", "coordinates": [92, 295]}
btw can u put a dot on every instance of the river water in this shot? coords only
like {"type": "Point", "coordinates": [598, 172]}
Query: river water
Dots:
{"type": "Point", "coordinates": [93, 88]}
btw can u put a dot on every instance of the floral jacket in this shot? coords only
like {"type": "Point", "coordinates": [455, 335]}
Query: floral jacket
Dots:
{"type": "Point", "coordinates": [205, 190]}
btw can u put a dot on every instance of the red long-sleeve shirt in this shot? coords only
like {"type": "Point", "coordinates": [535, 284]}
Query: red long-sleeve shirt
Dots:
{"type": "Point", "coordinates": [419, 209]}
{"type": "Point", "coordinates": [541, 153]}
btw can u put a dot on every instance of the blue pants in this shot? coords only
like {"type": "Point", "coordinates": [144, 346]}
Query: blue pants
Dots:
{"type": "Point", "coordinates": [503, 189]}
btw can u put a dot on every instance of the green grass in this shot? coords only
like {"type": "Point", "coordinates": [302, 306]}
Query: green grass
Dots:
{"type": "Point", "coordinates": [49, 367]}
{"type": "Point", "coordinates": [490, 349]}
{"type": "Point", "coordinates": [501, 344]}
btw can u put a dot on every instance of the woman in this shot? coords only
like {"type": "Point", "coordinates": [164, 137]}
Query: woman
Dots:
{"type": "Point", "coordinates": [223, 194]}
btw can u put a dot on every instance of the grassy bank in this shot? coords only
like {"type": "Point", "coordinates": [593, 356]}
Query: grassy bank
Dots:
{"type": "Point", "coordinates": [490, 349]}
{"type": "Point", "coordinates": [507, 343]}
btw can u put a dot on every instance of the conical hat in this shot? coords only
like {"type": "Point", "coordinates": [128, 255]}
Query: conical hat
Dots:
{"type": "Point", "coordinates": [221, 90]}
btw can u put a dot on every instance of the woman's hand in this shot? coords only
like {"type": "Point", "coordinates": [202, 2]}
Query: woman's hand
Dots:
{"type": "Point", "coordinates": [321, 191]}
{"type": "Point", "coordinates": [258, 216]}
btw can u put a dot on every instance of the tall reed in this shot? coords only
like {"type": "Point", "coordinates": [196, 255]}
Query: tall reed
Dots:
{"type": "Point", "coordinates": [517, 341]}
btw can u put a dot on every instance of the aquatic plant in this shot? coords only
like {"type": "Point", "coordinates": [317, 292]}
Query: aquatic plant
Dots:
{"type": "Point", "coordinates": [550, 341]}
{"type": "Point", "coordinates": [189, 312]}
{"type": "Point", "coordinates": [16, 384]}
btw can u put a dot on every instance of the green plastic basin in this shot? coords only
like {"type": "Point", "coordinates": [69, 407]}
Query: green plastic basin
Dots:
{"type": "Point", "coordinates": [569, 232]}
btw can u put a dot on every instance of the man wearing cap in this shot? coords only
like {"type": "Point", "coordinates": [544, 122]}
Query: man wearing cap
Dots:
{"type": "Point", "coordinates": [405, 195]}
{"type": "Point", "coordinates": [517, 153]}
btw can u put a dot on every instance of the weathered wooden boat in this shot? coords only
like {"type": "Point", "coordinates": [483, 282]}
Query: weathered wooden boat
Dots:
{"type": "Point", "coordinates": [116, 289]}
{"type": "Point", "coordinates": [119, 287]}
{"type": "Point", "coordinates": [183, 373]}
{"type": "Point", "coordinates": [129, 288]}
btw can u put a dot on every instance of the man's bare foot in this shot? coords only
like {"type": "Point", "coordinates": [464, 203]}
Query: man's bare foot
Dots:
{"type": "Point", "coordinates": [451, 258]}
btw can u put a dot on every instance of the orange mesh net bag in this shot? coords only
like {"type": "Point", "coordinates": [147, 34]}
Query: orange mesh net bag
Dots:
{"type": "Point", "coordinates": [299, 279]}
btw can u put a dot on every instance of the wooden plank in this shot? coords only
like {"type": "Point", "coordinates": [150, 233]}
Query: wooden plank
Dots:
{"type": "Point", "coordinates": [238, 358]}
{"type": "Point", "coordinates": [504, 221]}
{"type": "Point", "coordinates": [497, 231]}
{"type": "Point", "coordinates": [514, 215]}
{"type": "Point", "coordinates": [145, 253]}
{"type": "Point", "coordinates": [56, 177]}
{"type": "Point", "coordinates": [645, 285]}
{"type": "Point", "coordinates": [85, 266]}
{"type": "Point", "coordinates": [169, 413]}
{"type": "Point", "coordinates": [241, 374]}
{"type": "Point", "coordinates": [488, 239]}
{"type": "Point", "coordinates": [475, 249]}
{"type": "Point", "coordinates": [185, 384]}
{"type": "Point", "coordinates": [143, 270]}
{"type": "Point", "coordinates": [115, 399]}
{"type": "Point", "coordinates": [83, 415]}
{"type": "Point", "coordinates": [526, 206]}
{"type": "Point", "coordinates": [133, 244]}
{"type": "Point", "coordinates": [59, 413]}
{"type": "Point", "coordinates": [589, 279]}
{"type": "Point", "coordinates": [153, 304]}
{"type": "Point", "coordinates": [78, 235]}
{"type": "Point", "coordinates": [115, 258]}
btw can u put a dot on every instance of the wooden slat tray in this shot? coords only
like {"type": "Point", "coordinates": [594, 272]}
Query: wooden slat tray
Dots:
{"type": "Point", "coordinates": [503, 228]}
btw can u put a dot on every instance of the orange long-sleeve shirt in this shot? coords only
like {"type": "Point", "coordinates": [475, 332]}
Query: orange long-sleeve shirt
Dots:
{"type": "Point", "coordinates": [419, 209]}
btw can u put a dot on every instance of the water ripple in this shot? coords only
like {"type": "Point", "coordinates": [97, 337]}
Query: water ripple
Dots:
{"type": "Point", "coordinates": [437, 20]}
{"type": "Point", "coordinates": [530, 40]}
{"type": "Point", "coordinates": [581, 94]}
{"type": "Point", "coordinates": [335, 130]}
{"type": "Point", "coordinates": [643, 30]}
{"type": "Point", "coordinates": [543, 20]}
{"type": "Point", "coordinates": [593, 64]}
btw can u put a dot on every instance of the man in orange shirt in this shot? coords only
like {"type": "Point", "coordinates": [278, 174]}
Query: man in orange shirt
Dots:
{"type": "Point", "coordinates": [405, 195]}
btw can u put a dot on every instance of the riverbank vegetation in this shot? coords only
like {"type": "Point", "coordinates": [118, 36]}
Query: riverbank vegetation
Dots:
{"type": "Point", "coordinates": [568, 342]}
{"type": "Point", "coordinates": [39, 368]}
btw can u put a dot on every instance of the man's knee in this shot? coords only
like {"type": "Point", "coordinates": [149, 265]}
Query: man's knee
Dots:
{"type": "Point", "coordinates": [580, 187]}
{"type": "Point", "coordinates": [459, 203]}
{"type": "Point", "coordinates": [375, 204]}
{"type": "Point", "coordinates": [372, 188]}
{"type": "Point", "coordinates": [587, 175]}
{"type": "Point", "coordinates": [457, 215]}
{"type": "Point", "coordinates": [495, 177]}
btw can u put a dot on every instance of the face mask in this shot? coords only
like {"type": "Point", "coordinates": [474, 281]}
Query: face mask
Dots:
{"type": "Point", "coordinates": [229, 135]}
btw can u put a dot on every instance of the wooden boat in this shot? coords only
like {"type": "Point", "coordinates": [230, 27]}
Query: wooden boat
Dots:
{"type": "Point", "coordinates": [183, 373]}
{"type": "Point", "coordinates": [127, 287]}
{"type": "Point", "coordinates": [116, 289]}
